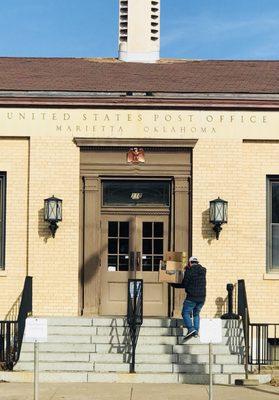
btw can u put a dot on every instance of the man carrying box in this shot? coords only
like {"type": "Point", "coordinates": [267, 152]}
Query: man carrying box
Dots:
{"type": "Point", "coordinates": [194, 283]}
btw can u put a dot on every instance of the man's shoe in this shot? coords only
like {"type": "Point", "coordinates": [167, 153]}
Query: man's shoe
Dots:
{"type": "Point", "coordinates": [196, 334]}
{"type": "Point", "coordinates": [189, 334]}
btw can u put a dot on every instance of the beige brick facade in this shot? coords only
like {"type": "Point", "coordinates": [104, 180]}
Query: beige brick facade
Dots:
{"type": "Point", "coordinates": [50, 167]}
{"type": "Point", "coordinates": [54, 168]}
{"type": "Point", "coordinates": [235, 171]}
{"type": "Point", "coordinates": [47, 162]}
{"type": "Point", "coordinates": [14, 160]}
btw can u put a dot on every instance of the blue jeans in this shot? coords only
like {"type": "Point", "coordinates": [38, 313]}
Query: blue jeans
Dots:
{"type": "Point", "coordinates": [190, 307]}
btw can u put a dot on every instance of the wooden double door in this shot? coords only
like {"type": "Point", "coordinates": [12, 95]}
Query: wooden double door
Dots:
{"type": "Point", "coordinates": [132, 247]}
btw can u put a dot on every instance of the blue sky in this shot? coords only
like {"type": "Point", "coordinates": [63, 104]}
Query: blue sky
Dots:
{"type": "Point", "coordinates": [193, 29]}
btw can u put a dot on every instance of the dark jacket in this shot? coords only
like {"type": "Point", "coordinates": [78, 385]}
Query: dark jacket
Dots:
{"type": "Point", "coordinates": [194, 283]}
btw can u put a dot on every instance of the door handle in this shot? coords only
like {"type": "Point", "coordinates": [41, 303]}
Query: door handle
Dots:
{"type": "Point", "coordinates": [132, 261]}
{"type": "Point", "coordinates": [138, 261]}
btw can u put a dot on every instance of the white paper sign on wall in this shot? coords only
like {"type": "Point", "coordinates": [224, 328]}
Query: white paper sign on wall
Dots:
{"type": "Point", "coordinates": [35, 330]}
{"type": "Point", "coordinates": [211, 330]}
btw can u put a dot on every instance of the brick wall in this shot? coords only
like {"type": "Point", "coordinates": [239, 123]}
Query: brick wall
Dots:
{"type": "Point", "coordinates": [236, 172]}
{"type": "Point", "coordinates": [54, 262]}
{"type": "Point", "coordinates": [14, 161]}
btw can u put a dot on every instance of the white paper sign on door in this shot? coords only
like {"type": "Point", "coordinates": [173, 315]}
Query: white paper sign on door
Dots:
{"type": "Point", "coordinates": [35, 330]}
{"type": "Point", "coordinates": [211, 330]}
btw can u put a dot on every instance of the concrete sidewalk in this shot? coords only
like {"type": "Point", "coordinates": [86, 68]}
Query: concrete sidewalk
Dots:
{"type": "Point", "coordinates": [123, 391]}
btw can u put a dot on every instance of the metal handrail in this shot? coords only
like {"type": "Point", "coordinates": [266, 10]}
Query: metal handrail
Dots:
{"type": "Point", "coordinates": [134, 314]}
{"type": "Point", "coordinates": [11, 332]}
{"type": "Point", "coordinates": [242, 302]}
{"type": "Point", "coordinates": [261, 339]}
{"type": "Point", "coordinates": [25, 309]}
{"type": "Point", "coordinates": [8, 344]}
{"type": "Point", "coordinates": [264, 344]}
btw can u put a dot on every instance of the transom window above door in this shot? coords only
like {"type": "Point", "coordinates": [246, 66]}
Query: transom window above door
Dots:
{"type": "Point", "coordinates": [136, 193]}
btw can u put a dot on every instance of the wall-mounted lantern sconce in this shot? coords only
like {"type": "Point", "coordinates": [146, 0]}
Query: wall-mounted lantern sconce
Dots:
{"type": "Point", "coordinates": [53, 213]}
{"type": "Point", "coordinates": [218, 214]}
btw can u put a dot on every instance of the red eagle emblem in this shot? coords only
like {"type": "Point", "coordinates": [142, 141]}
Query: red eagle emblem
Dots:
{"type": "Point", "coordinates": [135, 156]}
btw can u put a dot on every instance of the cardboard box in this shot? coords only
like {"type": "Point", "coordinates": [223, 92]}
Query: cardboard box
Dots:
{"type": "Point", "coordinates": [178, 256]}
{"type": "Point", "coordinates": [172, 268]}
{"type": "Point", "coordinates": [171, 272]}
{"type": "Point", "coordinates": [174, 265]}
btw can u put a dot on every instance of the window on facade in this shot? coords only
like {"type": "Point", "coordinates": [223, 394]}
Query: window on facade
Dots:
{"type": "Point", "coordinates": [273, 224]}
{"type": "Point", "coordinates": [2, 218]}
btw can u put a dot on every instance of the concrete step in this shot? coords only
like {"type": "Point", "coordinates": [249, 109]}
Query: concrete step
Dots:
{"type": "Point", "coordinates": [167, 378]}
{"type": "Point", "coordinates": [200, 349]}
{"type": "Point", "coordinates": [203, 359]}
{"type": "Point", "coordinates": [60, 347]}
{"type": "Point", "coordinates": [28, 376]}
{"type": "Point", "coordinates": [110, 367]}
{"type": "Point", "coordinates": [108, 322]}
{"type": "Point", "coordinates": [234, 332]}
{"type": "Point", "coordinates": [140, 358]}
{"type": "Point", "coordinates": [120, 339]}
{"type": "Point", "coordinates": [125, 367]}
{"type": "Point", "coordinates": [144, 331]}
{"type": "Point", "coordinates": [88, 357]}
{"type": "Point", "coordinates": [56, 366]}
{"type": "Point", "coordinates": [141, 348]}
{"type": "Point", "coordinates": [76, 347]}
{"type": "Point", "coordinates": [232, 323]}
{"type": "Point", "coordinates": [157, 322]}
{"type": "Point", "coordinates": [69, 339]}
{"type": "Point", "coordinates": [147, 322]}
{"type": "Point", "coordinates": [139, 367]}
{"type": "Point", "coordinates": [72, 330]}
{"type": "Point", "coordinates": [234, 344]}
{"type": "Point", "coordinates": [204, 368]}
{"type": "Point", "coordinates": [121, 321]}
{"type": "Point", "coordinates": [155, 331]}
{"type": "Point", "coordinates": [101, 358]}
{"type": "Point", "coordinates": [237, 341]}
{"type": "Point", "coordinates": [203, 379]}
{"type": "Point", "coordinates": [134, 378]}
{"type": "Point", "coordinates": [69, 321]}
{"type": "Point", "coordinates": [196, 368]}
{"type": "Point", "coordinates": [128, 378]}
{"type": "Point", "coordinates": [141, 340]}
{"type": "Point", "coordinates": [53, 356]}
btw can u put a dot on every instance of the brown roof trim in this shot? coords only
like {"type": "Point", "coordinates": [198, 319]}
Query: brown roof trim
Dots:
{"type": "Point", "coordinates": [134, 102]}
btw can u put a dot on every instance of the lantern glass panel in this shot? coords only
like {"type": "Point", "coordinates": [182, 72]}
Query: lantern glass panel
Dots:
{"type": "Point", "coordinates": [219, 211]}
{"type": "Point", "coordinates": [52, 210]}
{"type": "Point", "coordinates": [212, 212]}
{"type": "Point", "coordinates": [46, 210]}
{"type": "Point", "coordinates": [225, 212]}
{"type": "Point", "coordinates": [59, 210]}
